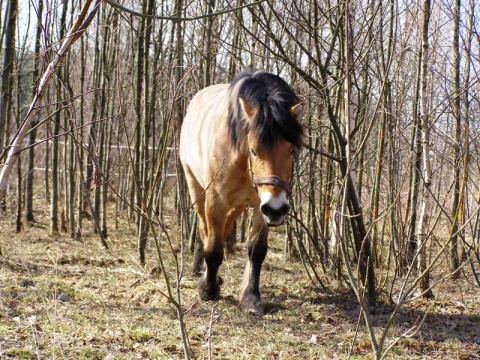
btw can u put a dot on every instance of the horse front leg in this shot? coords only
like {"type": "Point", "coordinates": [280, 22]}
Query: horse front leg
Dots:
{"type": "Point", "coordinates": [250, 299]}
{"type": "Point", "coordinates": [218, 228]}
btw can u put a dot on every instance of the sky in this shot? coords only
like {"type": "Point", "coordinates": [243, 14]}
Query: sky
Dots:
{"type": "Point", "coordinates": [27, 15]}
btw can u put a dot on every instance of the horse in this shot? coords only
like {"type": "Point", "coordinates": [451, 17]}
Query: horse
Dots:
{"type": "Point", "coordinates": [238, 143]}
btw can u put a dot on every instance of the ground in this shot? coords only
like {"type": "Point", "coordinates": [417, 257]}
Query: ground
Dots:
{"type": "Point", "coordinates": [69, 299]}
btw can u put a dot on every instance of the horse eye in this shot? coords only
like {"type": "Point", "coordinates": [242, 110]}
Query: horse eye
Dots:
{"type": "Point", "coordinates": [253, 152]}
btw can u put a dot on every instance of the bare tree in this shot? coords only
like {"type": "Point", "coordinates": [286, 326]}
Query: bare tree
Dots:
{"type": "Point", "coordinates": [85, 17]}
{"type": "Point", "coordinates": [422, 238]}
{"type": "Point", "coordinates": [7, 83]}
{"type": "Point", "coordinates": [33, 132]}
{"type": "Point", "coordinates": [454, 260]}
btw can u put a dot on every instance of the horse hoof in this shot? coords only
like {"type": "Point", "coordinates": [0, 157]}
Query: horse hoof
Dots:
{"type": "Point", "coordinates": [253, 305]}
{"type": "Point", "coordinates": [208, 292]}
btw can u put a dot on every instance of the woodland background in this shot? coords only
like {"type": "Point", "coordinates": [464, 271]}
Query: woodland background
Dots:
{"type": "Point", "coordinates": [386, 198]}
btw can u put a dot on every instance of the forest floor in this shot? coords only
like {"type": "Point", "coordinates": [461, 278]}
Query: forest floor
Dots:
{"type": "Point", "coordinates": [67, 299]}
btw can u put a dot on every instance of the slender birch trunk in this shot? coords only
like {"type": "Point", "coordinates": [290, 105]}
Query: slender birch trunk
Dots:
{"type": "Point", "coordinates": [422, 230]}
{"type": "Point", "coordinates": [466, 125]}
{"type": "Point", "coordinates": [54, 199]}
{"type": "Point", "coordinates": [362, 241]}
{"type": "Point", "coordinates": [457, 156]}
{"type": "Point", "coordinates": [7, 86]}
{"type": "Point", "coordinates": [33, 132]}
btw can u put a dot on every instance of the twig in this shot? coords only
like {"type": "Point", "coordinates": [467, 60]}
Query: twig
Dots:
{"type": "Point", "coordinates": [35, 339]}
{"type": "Point", "coordinates": [174, 17]}
{"type": "Point", "coordinates": [208, 186]}
{"type": "Point", "coordinates": [210, 332]}
{"type": "Point", "coordinates": [355, 335]}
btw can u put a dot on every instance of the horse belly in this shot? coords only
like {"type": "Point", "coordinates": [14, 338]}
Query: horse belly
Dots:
{"type": "Point", "coordinates": [191, 154]}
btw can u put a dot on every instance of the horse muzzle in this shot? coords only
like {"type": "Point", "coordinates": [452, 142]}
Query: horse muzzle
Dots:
{"type": "Point", "coordinates": [274, 217]}
{"type": "Point", "coordinates": [274, 209]}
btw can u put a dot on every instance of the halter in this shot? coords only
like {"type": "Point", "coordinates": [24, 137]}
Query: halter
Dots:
{"type": "Point", "coordinates": [272, 180]}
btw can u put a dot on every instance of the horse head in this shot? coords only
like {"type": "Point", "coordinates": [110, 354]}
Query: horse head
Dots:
{"type": "Point", "coordinates": [271, 163]}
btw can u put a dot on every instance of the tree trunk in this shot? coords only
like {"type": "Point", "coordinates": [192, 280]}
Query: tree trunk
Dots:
{"type": "Point", "coordinates": [7, 84]}
{"type": "Point", "coordinates": [139, 140]}
{"type": "Point", "coordinates": [466, 126]}
{"type": "Point", "coordinates": [409, 248]}
{"type": "Point", "coordinates": [361, 238]}
{"type": "Point", "coordinates": [33, 132]}
{"type": "Point", "coordinates": [79, 150]}
{"type": "Point", "coordinates": [422, 231]}
{"type": "Point", "coordinates": [54, 200]}
{"type": "Point", "coordinates": [457, 156]}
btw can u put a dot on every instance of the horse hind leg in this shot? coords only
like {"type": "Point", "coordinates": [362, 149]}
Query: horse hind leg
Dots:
{"type": "Point", "coordinates": [250, 299]}
{"type": "Point", "coordinates": [198, 198]}
{"type": "Point", "coordinates": [218, 228]}
{"type": "Point", "coordinates": [213, 247]}
{"type": "Point", "coordinates": [231, 240]}
{"type": "Point", "coordinates": [209, 283]}
{"type": "Point", "coordinates": [212, 253]}
{"type": "Point", "coordinates": [230, 230]}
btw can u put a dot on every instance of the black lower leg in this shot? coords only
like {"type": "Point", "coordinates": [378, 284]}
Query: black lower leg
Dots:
{"type": "Point", "coordinates": [197, 257]}
{"type": "Point", "coordinates": [250, 299]}
{"type": "Point", "coordinates": [208, 286]}
{"type": "Point", "coordinates": [256, 256]}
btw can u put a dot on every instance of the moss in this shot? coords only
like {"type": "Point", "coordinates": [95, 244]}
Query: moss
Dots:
{"type": "Point", "coordinates": [20, 353]}
{"type": "Point", "coordinates": [140, 335]}
{"type": "Point", "coordinates": [91, 354]}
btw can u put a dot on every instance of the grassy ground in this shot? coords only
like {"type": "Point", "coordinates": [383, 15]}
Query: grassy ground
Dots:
{"type": "Point", "coordinates": [67, 299]}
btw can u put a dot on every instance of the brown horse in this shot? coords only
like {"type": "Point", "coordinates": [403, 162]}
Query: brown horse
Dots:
{"type": "Point", "coordinates": [237, 147]}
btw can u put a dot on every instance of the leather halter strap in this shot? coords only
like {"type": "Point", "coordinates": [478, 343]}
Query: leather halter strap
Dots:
{"type": "Point", "coordinates": [272, 180]}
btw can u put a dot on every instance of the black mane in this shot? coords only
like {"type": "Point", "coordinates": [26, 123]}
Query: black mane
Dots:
{"type": "Point", "coordinates": [273, 98]}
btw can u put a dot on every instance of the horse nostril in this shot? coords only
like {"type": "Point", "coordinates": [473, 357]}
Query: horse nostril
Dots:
{"type": "Point", "coordinates": [267, 210]}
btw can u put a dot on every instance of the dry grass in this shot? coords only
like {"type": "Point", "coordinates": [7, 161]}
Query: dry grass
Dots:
{"type": "Point", "coordinates": [117, 310]}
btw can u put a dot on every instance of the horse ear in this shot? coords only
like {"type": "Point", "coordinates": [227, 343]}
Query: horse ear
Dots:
{"type": "Point", "coordinates": [248, 108]}
{"type": "Point", "coordinates": [297, 111]}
